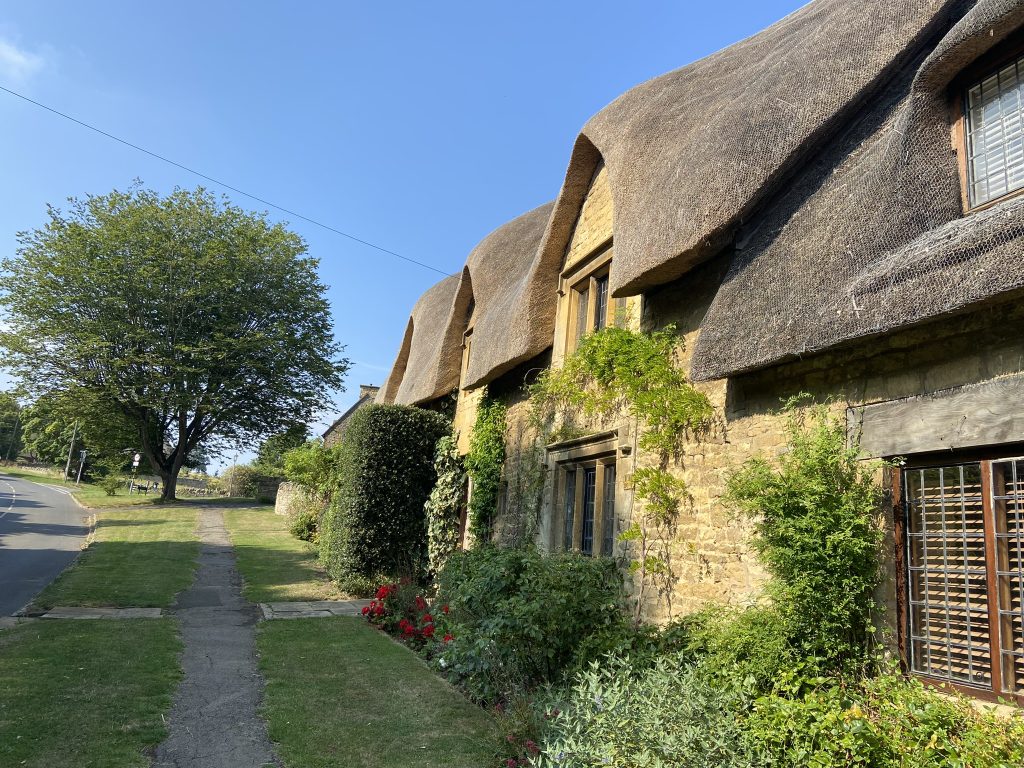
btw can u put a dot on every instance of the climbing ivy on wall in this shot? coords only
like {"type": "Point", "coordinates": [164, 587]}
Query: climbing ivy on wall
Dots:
{"type": "Point", "coordinates": [617, 370]}
{"type": "Point", "coordinates": [444, 506]}
{"type": "Point", "coordinates": [484, 464]}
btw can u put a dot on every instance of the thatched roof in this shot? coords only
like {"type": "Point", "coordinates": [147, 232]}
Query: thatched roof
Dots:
{"type": "Point", "coordinates": [691, 153]}
{"type": "Point", "coordinates": [514, 318]}
{"type": "Point", "coordinates": [872, 236]}
{"type": "Point", "coordinates": [429, 359]}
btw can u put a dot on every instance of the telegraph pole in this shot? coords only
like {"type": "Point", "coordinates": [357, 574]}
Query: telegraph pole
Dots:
{"type": "Point", "coordinates": [14, 434]}
{"type": "Point", "coordinates": [71, 449]}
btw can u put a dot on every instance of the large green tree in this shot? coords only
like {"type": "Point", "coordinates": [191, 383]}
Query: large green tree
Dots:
{"type": "Point", "coordinates": [196, 321]}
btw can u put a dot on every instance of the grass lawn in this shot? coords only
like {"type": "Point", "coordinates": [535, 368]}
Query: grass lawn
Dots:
{"type": "Point", "coordinates": [85, 693]}
{"type": "Point", "coordinates": [94, 497]}
{"type": "Point", "coordinates": [274, 564]}
{"type": "Point", "coordinates": [342, 694]}
{"type": "Point", "coordinates": [138, 557]}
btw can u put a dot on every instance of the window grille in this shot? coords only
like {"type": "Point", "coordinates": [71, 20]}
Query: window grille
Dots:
{"type": "Point", "coordinates": [582, 300]}
{"type": "Point", "coordinates": [1008, 511]}
{"type": "Point", "coordinates": [947, 584]}
{"type": "Point", "coordinates": [995, 134]}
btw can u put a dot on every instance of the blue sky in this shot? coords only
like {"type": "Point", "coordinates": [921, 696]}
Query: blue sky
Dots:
{"type": "Point", "coordinates": [419, 127]}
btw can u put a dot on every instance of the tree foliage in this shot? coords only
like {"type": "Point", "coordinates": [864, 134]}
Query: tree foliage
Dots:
{"type": "Point", "coordinates": [11, 426]}
{"type": "Point", "coordinates": [270, 456]}
{"type": "Point", "coordinates": [194, 320]}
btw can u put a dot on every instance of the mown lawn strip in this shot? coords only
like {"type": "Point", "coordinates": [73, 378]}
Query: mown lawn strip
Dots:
{"type": "Point", "coordinates": [137, 557]}
{"type": "Point", "coordinates": [275, 565]}
{"type": "Point", "coordinates": [85, 693]}
{"type": "Point", "coordinates": [342, 694]}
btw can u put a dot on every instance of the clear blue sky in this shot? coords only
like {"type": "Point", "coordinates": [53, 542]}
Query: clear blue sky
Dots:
{"type": "Point", "coordinates": [420, 127]}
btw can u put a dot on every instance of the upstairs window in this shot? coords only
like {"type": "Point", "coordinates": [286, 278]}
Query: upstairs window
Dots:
{"type": "Point", "coordinates": [994, 134]}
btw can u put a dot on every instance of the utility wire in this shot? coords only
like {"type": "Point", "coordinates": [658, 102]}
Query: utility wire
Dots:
{"type": "Point", "coordinates": [220, 183]}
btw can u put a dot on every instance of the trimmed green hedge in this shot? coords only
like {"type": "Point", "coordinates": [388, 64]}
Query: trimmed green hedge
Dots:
{"type": "Point", "coordinates": [375, 527]}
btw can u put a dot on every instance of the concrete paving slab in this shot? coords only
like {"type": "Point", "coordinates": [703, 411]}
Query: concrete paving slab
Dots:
{"type": "Point", "coordinates": [312, 609]}
{"type": "Point", "coordinates": [214, 721]}
{"type": "Point", "coordinates": [76, 612]}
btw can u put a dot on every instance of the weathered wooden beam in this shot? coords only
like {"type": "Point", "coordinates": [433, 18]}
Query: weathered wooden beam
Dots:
{"type": "Point", "coordinates": [964, 417]}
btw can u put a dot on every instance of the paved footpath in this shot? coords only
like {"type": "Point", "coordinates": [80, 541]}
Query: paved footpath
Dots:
{"type": "Point", "coordinates": [214, 721]}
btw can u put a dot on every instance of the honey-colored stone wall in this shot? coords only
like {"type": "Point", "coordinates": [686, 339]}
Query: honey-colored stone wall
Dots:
{"type": "Point", "coordinates": [594, 225]}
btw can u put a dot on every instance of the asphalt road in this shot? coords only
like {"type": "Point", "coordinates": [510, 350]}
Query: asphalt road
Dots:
{"type": "Point", "coordinates": [41, 532]}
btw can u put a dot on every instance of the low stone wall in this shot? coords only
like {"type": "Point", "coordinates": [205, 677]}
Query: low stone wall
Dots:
{"type": "Point", "coordinates": [292, 499]}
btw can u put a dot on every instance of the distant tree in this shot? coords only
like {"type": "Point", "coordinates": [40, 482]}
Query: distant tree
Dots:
{"type": "Point", "coordinates": [56, 419]}
{"type": "Point", "coordinates": [11, 426]}
{"type": "Point", "coordinates": [270, 456]}
{"type": "Point", "coordinates": [197, 322]}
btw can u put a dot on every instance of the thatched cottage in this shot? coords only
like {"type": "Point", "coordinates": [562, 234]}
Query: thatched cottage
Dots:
{"type": "Point", "coordinates": [831, 206]}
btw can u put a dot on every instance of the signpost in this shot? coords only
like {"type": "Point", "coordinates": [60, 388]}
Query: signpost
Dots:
{"type": "Point", "coordinates": [81, 463]}
{"type": "Point", "coordinates": [135, 466]}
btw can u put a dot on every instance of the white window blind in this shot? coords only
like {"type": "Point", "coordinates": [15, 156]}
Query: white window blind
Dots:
{"type": "Point", "coordinates": [995, 134]}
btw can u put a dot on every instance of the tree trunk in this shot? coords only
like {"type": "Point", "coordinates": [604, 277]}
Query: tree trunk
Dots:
{"type": "Point", "coordinates": [169, 484]}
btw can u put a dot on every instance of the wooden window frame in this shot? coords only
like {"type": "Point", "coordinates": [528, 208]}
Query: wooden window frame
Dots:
{"type": "Point", "coordinates": [985, 458]}
{"type": "Point", "coordinates": [985, 66]}
{"type": "Point", "coordinates": [578, 469]}
{"type": "Point", "coordinates": [583, 275]}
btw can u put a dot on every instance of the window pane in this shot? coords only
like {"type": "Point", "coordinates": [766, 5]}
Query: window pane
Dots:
{"type": "Point", "coordinates": [608, 532]}
{"type": "Point", "coordinates": [570, 507]}
{"type": "Point", "coordinates": [589, 505]}
{"type": "Point", "coordinates": [601, 303]}
{"type": "Point", "coordinates": [995, 135]}
{"type": "Point", "coordinates": [947, 581]}
{"type": "Point", "coordinates": [582, 301]}
{"type": "Point", "coordinates": [1008, 511]}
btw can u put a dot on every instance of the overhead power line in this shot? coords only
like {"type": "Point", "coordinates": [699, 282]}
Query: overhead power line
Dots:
{"type": "Point", "coordinates": [220, 183]}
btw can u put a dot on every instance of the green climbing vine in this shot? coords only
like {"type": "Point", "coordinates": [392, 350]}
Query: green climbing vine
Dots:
{"type": "Point", "coordinates": [616, 370]}
{"type": "Point", "coordinates": [443, 507]}
{"type": "Point", "coordinates": [484, 463]}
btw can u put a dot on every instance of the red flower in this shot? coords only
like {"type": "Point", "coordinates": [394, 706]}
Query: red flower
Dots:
{"type": "Point", "coordinates": [366, 609]}
{"type": "Point", "coordinates": [444, 608]}
{"type": "Point", "coordinates": [427, 618]}
{"type": "Point", "coordinates": [428, 631]}
{"type": "Point", "coordinates": [531, 747]}
{"type": "Point", "coordinates": [511, 763]}
{"type": "Point", "coordinates": [421, 604]}
{"type": "Point", "coordinates": [449, 637]}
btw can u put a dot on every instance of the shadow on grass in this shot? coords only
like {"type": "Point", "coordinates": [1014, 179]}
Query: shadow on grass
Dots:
{"type": "Point", "coordinates": [123, 574]}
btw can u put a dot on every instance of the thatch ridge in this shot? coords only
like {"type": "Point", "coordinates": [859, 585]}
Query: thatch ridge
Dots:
{"type": "Point", "coordinates": [691, 153]}
{"type": "Point", "coordinates": [872, 237]}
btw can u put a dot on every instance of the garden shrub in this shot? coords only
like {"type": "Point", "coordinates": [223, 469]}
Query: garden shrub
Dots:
{"type": "Point", "coordinates": [375, 528]}
{"type": "Point", "coordinates": [313, 466]}
{"type": "Point", "coordinates": [666, 716]}
{"type": "Point", "coordinates": [484, 463]}
{"type": "Point", "coordinates": [305, 524]}
{"type": "Point", "coordinates": [240, 480]}
{"type": "Point", "coordinates": [887, 721]}
{"type": "Point", "coordinates": [444, 506]}
{"type": "Point", "coordinates": [817, 533]}
{"type": "Point", "coordinates": [401, 609]}
{"type": "Point", "coordinates": [111, 484]}
{"type": "Point", "coordinates": [519, 618]}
